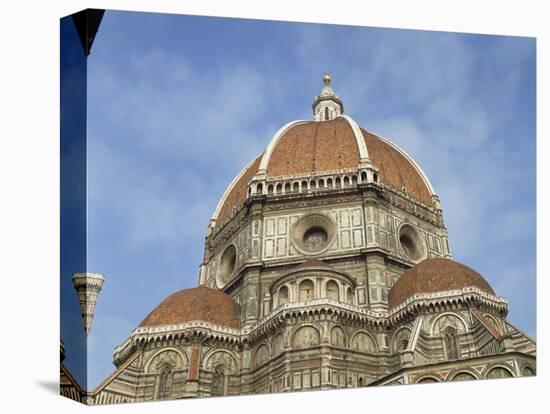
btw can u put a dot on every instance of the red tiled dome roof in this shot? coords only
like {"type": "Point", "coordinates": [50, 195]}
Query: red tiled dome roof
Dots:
{"type": "Point", "coordinates": [435, 275]}
{"type": "Point", "coordinates": [313, 146]}
{"type": "Point", "coordinates": [201, 303]}
{"type": "Point", "coordinates": [237, 194]}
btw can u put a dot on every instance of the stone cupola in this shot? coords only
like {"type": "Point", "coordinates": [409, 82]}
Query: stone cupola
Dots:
{"type": "Point", "coordinates": [327, 105]}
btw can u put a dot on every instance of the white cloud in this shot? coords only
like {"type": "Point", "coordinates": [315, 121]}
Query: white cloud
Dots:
{"type": "Point", "coordinates": [155, 129]}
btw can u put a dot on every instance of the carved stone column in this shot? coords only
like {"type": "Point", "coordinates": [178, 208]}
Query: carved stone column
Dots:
{"type": "Point", "coordinates": [406, 359]}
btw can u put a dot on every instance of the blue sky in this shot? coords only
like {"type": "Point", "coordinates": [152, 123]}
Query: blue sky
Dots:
{"type": "Point", "coordinates": [177, 105]}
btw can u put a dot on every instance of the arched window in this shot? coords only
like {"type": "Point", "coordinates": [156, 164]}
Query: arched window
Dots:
{"type": "Point", "coordinates": [259, 189]}
{"type": "Point", "coordinates": [338, 182]}
{"type": "Point", "coordinates": [270, 189]}
{"type": "Point", "coordinates": [279, 188]}
{"type": "Point", "coordinates": [304, 185]}
{"type": "Point", "coordinates": [287, 188]}
{"type": "Point", "coordinates": [219, 381]}
{"type": "Point", "coordinates": [306, 336]}
{"type": "Point", "coordinates": [164, 382]}
{"type": "Point", "coordinates": [499, 372]}
{"type": "Point", "coordinates": [427, 380]}
{"type": "Point", "coordinates": [329, 182]}
{"type": "Point", "coordinates": [283, 295]}
{"type": "Point", "coordinates": [375, 177]}
{"type": "Point", "coordinates": [354, 179]}
{"type": "Point", "coordinates": [463, 376]}
{"type": "Point", "coordinates": [306, 290]}
{"type": "Point", "coordinates": [346, 181]}
{"type": "Point", "coordinates": [363, 176]}
{"type": "Point", "coordinates": [296, 187]}
{"type": "Point", "coordinates": [362, 342]}
{"type": "Point", "coordinates": [261, 356]}
{"type": "Point", "coordinates": [332, 290]}
{"type": "Point", "coordinates": [451, 344]}
{"type": "Point", "coordinates": [312, 185]}
{"type": "Point", "coordinates": [326, 113]}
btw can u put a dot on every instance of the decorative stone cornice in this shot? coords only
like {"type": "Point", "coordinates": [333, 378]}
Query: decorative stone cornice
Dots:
{"type": "Point", "coordinates": [412, 205]}
{"type": "Point", "coordinates": [313, 309]}
{"type": "Point", "coordinates": [201, 329]}
{"type": "Point", "coordinates": [451, 299]}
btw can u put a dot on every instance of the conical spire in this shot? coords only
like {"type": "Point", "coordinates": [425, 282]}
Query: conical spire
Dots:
{"type": "Point", "coordinates": [88, 285]}
{"type": "Point", "coordinates": [327, 105]}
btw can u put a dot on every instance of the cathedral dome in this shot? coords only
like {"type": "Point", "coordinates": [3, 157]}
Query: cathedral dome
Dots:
{"type": "Point", "coordinates": [435, 275]}
{"type": "Point", "coordinates": [329, 143]}
{"type": "Point", "coordinates": [197, 304]}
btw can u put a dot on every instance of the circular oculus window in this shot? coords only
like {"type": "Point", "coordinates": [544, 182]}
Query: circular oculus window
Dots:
{"type": "Point", "coordinates": [313, 234]}
{"type": "Point", "coordinates": [411, 243]}
{"type": "Point", "coordinates": [227, 265]}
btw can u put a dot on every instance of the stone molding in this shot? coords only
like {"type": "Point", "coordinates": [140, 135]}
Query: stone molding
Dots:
{"type": "Point", "coordinates": [416, 305]}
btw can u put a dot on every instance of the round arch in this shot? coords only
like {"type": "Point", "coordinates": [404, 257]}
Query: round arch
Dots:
{"type": "Point", "coordinates": [311, 336]}
{"type": "Point", "coordinates": [396, 335]}
{"type": "Point", "coordinates": [303, 292]}
{"type": "Point", "coordinates": [494, 321]}
{"type": "Point", "coordinates": [261, 354]}
{"type": "Point", "coordinates": [427, 379]}
{"type": "Point", "coordinates": [183, 357]}
{"type": "Point", "coordinates": [438, 317]}
{"type": "Point", "coordinates": [355, 337]}
{"type": "Point", "coordinates": [338, 336]}
{"type": "Point", "coordinates": [498, 370]}
{"type": "Point", "coordinates": [332, 289]}
{"type": "Point", "coordinates": [206, 357]}
{"type": "Point", "coordinates": [463, 374]}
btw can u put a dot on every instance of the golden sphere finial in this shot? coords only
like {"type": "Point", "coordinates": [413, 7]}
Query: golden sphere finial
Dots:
{"type": "Point", "coordinates": [326, 78]}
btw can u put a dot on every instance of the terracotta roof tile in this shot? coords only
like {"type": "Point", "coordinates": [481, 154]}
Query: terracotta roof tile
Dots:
{"type": "Point", "coordinates": [313, 147]}
{"type": "Point", "coordinates": [395, 169]}
{"type": "Point", "coordinates": [435, 275]}
{"type": "Point", "coordinates": [326, 146]}
{"type": "Point", "coordinates": [237, 194]}
{"type": "Point", "coordinates": [200, 303]}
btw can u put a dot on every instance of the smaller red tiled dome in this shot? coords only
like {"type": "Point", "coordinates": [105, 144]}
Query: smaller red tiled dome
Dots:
{"type": "Point", "coordinates": [435, 275]}
{"type": "Point", "coordinates": [197, 304]}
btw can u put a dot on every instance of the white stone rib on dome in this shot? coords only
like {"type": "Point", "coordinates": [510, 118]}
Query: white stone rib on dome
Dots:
{"type": "Point", "coordinates": [411, 160]}
{"type": "Point", "coordinates": [273, 143]}
{"type": "Point", "coordinates": [229, 188]}
{"type": "Point", "coordinates": [361, 145]}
